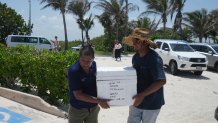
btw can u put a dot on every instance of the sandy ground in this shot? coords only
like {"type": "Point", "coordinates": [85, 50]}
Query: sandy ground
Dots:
{"type": "Point", "coordinates": [189, 98]}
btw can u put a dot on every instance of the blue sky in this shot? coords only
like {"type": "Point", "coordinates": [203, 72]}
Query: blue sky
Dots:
{"type": "Point", "coordinates": [49, 23]}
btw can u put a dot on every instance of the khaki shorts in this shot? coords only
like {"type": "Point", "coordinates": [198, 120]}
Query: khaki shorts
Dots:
{"type": "Point", "coordinates": [83, 115]}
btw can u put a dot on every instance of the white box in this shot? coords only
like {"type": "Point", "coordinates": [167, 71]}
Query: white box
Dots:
{"type": "Point", "coordinates": [117, 84]}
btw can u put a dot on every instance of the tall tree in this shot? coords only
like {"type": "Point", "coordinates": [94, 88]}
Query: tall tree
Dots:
{"type": "Point", "coordinates": [214, 32]}
{"type": "Point", "coordinates": [199, 22]}
{"type": "Point", "coordinates": [177, 6]}
{"type": "Point", "coordinates": [126, 21]}
{"type": "Point", "coordinates": [10, 23]}
{"type": "Point", "coordinates": [80, 8]}
{"type": "Point", "coordinates": [159, 7]}
{"type": "Point", "coordinates": [116, 11]}
{"type": "Point", "coordinates": [60, 5]}
{"type": "Point", "coordinates": [106, 22]}
{"type": "Point", "coordinates": [88, 24]}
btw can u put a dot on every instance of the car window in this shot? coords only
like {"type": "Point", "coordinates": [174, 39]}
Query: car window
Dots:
{"type": "Point", "coordinates": [158, 44]}
{"type": "Point", "coordinates": [205, 49]}
{"type": "Point", "coordinates": [24, 39]}
{"type": "Point", "coordinates": [215, 48]}
{"type": "Point", "coordinates": [165, 45]}
{"type": "Point", "coordinates": [181, 48]}
{"type": "Point", "coordinates": [195, 47]}
{"type": "Point", "coordinates": [31, 40]}
{"type": "Point", "coordinates": [44, 41]}
{"type": "Point", "coordinates": [18, 39]}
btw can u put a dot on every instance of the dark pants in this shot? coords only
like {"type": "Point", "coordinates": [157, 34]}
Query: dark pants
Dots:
{"type": "Point", "coordinates": [117, 53]}
{"type": "Point", "coordinates": [83, 115]}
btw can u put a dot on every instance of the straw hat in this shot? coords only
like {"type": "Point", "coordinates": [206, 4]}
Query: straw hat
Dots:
{"type": "Point", "coordinates": [142, 34]}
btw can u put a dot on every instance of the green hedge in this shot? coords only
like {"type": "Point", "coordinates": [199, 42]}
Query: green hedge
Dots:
{"type": "Point", "coordinates": [40, 72]}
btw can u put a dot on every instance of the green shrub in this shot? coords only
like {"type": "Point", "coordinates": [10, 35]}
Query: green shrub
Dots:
{"type": "Point", "coordinates": [41, 72]}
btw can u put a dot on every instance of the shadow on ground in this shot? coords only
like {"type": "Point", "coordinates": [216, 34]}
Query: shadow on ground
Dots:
{"type": "Point", "coordinates": [187, 74]}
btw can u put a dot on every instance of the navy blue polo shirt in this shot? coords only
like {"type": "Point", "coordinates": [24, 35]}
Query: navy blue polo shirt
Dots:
{"type": "Point", "coordinates": [78, 79]}
{"type": "Point", "coordinates": [149, 69]}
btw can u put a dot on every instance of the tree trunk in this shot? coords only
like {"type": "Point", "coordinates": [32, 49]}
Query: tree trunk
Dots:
{"type": "Point", "coordinates": [82, 37]}
{"type": "Point", "coordinates": [200, 39]}
{"type": "Point", "coordinates": [65, 32]}
{"type": "Point", "coordinates": [87, 37]}
{"type": "Point", "coordinates": [164, 17]}
{"type": "Point", "coordinates": [117, 31]}
{"type": "Point", "coordinates": [125, 47]}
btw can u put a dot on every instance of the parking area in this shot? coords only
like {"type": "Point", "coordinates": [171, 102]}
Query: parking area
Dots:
{"type": "Point", "coordinates": [13, 112]}
{"type": "Point", "coordinates": [189, 99]}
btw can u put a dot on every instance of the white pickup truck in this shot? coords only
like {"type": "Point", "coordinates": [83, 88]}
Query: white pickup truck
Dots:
{"type": "Point", "coordinates": [178, 55]}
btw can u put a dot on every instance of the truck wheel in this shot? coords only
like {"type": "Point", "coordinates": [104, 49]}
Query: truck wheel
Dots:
{"type": "Point", "coordinates": [216, 113]}
{"type": "Point", "coordinates": [216, 67]}
{"type": "Point", "coordinates": [198, 72]}
{"type": "Point", "coordinates": [173, 68]}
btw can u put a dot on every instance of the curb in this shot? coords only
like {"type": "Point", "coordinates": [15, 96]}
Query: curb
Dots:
{"type": "Point", "coordinates": [31, 101]}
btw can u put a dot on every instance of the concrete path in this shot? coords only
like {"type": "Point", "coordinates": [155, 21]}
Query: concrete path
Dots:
{"type": "Point", "coordinates": [13, 112]}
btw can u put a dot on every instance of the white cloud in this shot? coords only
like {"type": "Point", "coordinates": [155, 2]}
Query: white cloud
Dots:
{"type": "Point", "coordinates": [49, 26]}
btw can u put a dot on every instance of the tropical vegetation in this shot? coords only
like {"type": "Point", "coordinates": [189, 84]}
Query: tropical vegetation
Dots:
{"type": "Point", "coordinates": [80, 8]}
{"type": "Point", "coordinates": [38, 72]}
{"type": "Point", "coordinates": [60, 5]}
{"type": "Point", "coordinates": [115, 21]}
{"type": "Point", "coordinates": [11, 23]}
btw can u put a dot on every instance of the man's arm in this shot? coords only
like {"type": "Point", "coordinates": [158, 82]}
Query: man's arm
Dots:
{"type": "Point", "coordinates": [151, 89]}
{"type": "Point", "coordinates": [79, 95]}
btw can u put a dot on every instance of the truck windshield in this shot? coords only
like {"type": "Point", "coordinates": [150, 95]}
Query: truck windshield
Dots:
{"type": "Point", "coordinates": [181, 48]}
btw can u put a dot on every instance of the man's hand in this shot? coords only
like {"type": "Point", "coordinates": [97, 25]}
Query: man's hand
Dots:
{"type": "Point", "coordinates": [103, 103]}
{"type": "Point", "coordinates": [138, 99]}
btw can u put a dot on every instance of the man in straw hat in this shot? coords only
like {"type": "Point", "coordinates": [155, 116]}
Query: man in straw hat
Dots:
{"type": "Point", "coordinates": [150, 78]}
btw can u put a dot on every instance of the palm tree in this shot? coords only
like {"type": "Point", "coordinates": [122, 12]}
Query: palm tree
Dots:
{"type": "Point", "coordinates": [113, 9]}
{"type": "Point", "coordinates": [143, 22]}
{"type": "Point", "coordinates": [214, 17]}
{"type": "Point", "coordinates": [126, 21]}
{"type": "Point", "coordinates": [177, 6]}
{"type": "Point", "coordinates": [126, 13]}
{"type": "Point", "coordinates": [159, 7]}
{"type": "Point", "coordinates": [106, 22]}
{"type": "Point", "coordinates": [151, 25]}
{"type": "Point", "coordinates": [199, 22]}
{"type": "Point", "coordinates": [88, 24]}
{"type": "Point", "coordinates": [59, 5]}
{"type": "Point", "coordinates": [81, 26]}
{"type": "Point", "coordinates": [116, 11]}
{"type": "Point", "coordinates": [80, 8]}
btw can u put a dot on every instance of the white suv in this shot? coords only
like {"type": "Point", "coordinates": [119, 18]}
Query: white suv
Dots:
{"type": "Point", "coordinates": [178, 55]}
{"type": "Point", "coordinates": [36, 41]}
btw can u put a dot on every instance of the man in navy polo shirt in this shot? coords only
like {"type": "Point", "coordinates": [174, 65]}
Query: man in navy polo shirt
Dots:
{"type": "Point", "coordinates": [150, 78]}
{"type": "Point", "coordinates": [82, 89]}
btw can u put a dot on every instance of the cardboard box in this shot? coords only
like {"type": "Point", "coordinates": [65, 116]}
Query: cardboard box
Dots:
{"type": "Point", "coordinates": [117, 84]}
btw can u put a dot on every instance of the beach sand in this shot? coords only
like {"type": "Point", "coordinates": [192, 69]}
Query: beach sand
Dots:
{"type": "Point", "coordinates": [189, 98]}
